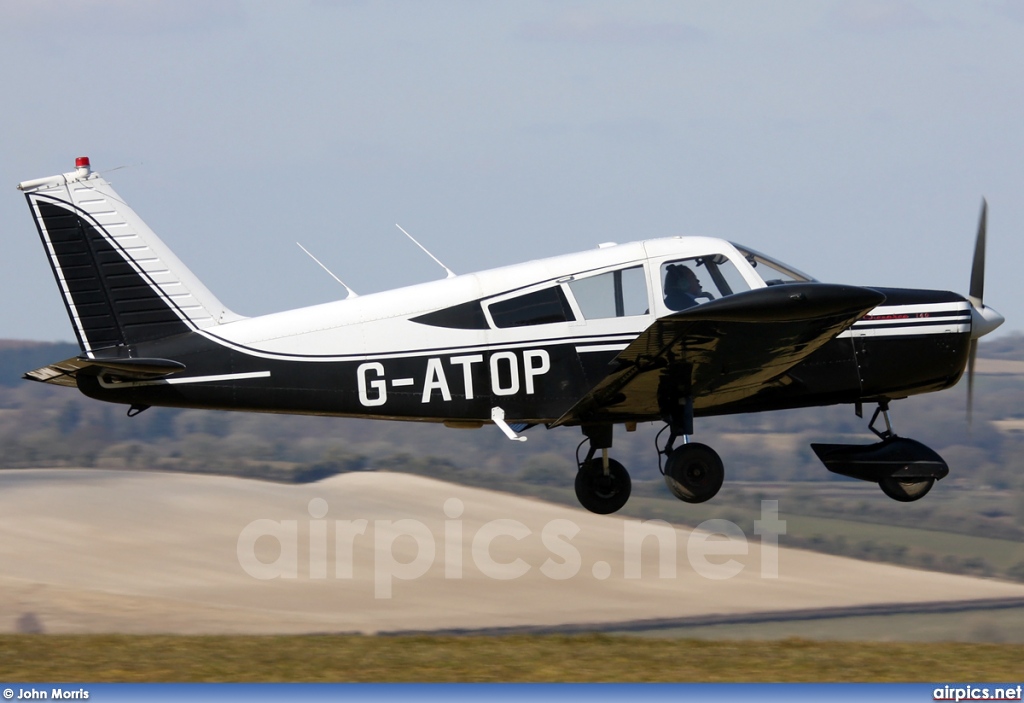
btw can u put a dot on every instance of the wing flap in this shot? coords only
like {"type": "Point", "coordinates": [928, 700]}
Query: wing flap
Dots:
{"type": "Point", "coordinates": [722, 351]}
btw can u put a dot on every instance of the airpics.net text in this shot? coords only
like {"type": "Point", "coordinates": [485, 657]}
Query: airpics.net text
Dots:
{"type": "Point", "coordinates": [406, 549]}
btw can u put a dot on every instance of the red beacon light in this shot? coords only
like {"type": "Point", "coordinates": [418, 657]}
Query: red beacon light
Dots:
{"type": "Point", "coordinates": [82, 167]}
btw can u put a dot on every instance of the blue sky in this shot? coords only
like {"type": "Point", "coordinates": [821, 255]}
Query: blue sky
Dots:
{"type": "Point", "coordinates": [851, 138]}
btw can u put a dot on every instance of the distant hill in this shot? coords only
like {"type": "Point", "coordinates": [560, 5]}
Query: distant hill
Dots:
{"type": "Point", "coordinates": [1009, 347]}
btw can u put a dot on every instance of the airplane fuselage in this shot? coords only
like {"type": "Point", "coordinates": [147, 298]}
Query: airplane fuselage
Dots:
{"type": "Point", "coordinates": [658, 330]}
{"type": "Point", "coordinates": [916, 342]}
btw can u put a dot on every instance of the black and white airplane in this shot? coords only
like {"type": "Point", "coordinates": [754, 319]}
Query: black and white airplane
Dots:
{"type": "Point", "coordinates": [663, 330]}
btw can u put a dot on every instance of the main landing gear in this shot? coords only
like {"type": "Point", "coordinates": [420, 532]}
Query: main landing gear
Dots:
{"type": "Point", "coordinates": [903, 468]}
{"type": "Point", "coordinates": [693, 472]}
{"type": "Point", "coordinates": [602, 484]}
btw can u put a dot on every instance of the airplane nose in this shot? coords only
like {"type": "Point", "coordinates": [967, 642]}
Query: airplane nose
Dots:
{"type": "Point", "coordinates": [984, 320]}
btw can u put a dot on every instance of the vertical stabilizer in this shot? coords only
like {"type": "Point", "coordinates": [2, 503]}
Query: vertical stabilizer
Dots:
{"type": "Point", "coordinates": [120, 283]}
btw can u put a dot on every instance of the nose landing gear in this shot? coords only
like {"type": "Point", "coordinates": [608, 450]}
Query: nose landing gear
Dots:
{"type": "Point", "coordinates": [903, 468]}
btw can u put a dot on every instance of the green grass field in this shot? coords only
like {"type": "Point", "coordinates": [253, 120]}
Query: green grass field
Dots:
{"type": "Point", "coordinates": [583, 658]}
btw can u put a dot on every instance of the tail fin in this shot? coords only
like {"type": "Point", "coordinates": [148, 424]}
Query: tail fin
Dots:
{"type": "Point", "coordinates": [120, 283]}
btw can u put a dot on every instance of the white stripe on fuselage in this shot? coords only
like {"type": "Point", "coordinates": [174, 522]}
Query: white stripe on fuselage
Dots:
{"type": "Point", "coordinates": [600, 348]}
{"type": "Point", "coordinates": [913, 320]}
{"type": "Point", "coordinates": [606, 342]}
{"type": "Point", "coordinates": [908, 331]}
{"type": "Point", "coordinates": [187, 379]}
{"type": "Point", "coordinates": [918, 308]}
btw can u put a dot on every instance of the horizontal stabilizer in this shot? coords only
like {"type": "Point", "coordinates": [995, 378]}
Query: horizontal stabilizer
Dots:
{"type": "Point", "coordinates": [64, 373]}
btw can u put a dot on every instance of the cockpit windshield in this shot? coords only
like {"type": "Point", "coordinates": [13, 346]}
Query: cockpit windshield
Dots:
{"type": "Point", "coordinates": [772, 271]}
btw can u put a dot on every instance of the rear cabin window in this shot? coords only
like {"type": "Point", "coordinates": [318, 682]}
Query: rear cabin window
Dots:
{"type": "Point", "coordinates": [540, 307]}
{"type": "Point", "coordinates": [621, 293]}
{"type": "Point", "coordinates": [465, 316]}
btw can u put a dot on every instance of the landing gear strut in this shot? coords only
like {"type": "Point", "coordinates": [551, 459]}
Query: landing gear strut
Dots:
{"type": "Point", "coordinates": [602, 484]}
{"type": "Point", "coordinates": [903, 468]}
{"type": "Point", "coordinates": [693, 472]}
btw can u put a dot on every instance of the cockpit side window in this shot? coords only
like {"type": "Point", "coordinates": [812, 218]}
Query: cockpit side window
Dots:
{"type": "Point", "coordinates": [621, 293]}
{"type": "Point", "coordinates": [694, 281]}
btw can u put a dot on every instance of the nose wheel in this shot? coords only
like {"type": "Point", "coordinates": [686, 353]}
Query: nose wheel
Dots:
{"type": "Point", "coordinates": [905, 491]}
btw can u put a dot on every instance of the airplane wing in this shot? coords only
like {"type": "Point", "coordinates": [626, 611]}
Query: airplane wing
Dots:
{"type": "Point", "coordinates": [64, 373]}
{"type": "Point", "coordinates": [722, 351]}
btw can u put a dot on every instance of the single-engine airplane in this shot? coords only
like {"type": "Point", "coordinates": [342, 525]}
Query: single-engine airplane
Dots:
{"type": "Point", "coordinates": [662, 330]}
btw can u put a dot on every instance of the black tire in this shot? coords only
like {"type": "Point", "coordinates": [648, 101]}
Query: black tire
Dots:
{"type": "Point", "coordinates": [694, 472]}
{"type": "Point", "coordinates": [906, 491]}
{"type": "Point", "coordinates": [599, 493]}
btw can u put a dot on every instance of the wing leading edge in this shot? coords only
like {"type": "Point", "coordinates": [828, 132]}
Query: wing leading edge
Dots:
{"type": "Point", "coordinates": [723, 351]}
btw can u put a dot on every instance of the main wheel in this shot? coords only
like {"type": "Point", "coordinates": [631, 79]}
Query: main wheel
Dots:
{"type": "Point", "coordinates": [600, 493]}
{"type": "Point", "coordinates": [694, 472]}
{"type": "Point", "coordinates": [906, 491]}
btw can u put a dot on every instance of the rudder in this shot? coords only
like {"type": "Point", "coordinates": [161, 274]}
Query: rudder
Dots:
{"type": "Point", "coordinates": [121, 285]}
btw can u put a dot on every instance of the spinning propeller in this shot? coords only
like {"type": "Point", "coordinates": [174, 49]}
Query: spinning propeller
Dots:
{"type": "Point", "coordinates": [983, 319]}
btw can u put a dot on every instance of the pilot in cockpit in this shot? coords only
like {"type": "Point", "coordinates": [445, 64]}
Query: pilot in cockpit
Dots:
{"type": "Point", "coordinates": [682, 287]}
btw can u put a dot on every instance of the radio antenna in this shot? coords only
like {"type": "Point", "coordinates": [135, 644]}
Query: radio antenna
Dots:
{"type": "Point", "coordinates": [448, 272]}
{"type": "Point", "coordinates": [351, 293]}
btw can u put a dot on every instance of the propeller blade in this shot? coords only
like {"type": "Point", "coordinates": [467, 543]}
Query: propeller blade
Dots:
{"type": "Point", "coordinates": [977, 290]}
{"type": "Point", "coordinates": [983, 319]}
